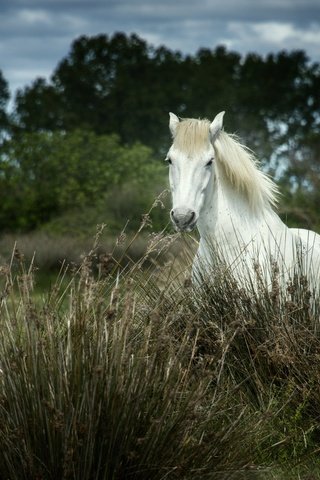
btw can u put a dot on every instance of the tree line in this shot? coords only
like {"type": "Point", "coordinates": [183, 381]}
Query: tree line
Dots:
{"type": "Point", "coordinates": [117, 90]}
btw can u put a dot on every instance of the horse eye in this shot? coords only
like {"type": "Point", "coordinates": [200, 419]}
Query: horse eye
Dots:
{"type": "Point", "coordinates": [209, 163]}
{"type": "Point", "coordinates": [169, 161]}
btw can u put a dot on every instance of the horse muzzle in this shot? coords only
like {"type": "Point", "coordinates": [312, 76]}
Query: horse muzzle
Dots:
{"type": "Point", "coordinates": [183, 219]}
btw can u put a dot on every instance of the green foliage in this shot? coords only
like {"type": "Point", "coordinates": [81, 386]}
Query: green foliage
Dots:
{"type": "Point", "coordinates": [122, 85]}
{"type": "Point", "coordinates": [44, 175]}
{"type": "Point", "coordinates": [4, 98]}
{"type": "Point", "coordinates": [111, 85]}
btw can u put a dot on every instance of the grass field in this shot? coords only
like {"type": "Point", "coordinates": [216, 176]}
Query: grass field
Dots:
{"type": "Point", "coordinates": [122, 370]}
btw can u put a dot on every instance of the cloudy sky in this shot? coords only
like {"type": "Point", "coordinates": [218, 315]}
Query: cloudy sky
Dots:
{"type": "Point", "coordinates": [36, 34]}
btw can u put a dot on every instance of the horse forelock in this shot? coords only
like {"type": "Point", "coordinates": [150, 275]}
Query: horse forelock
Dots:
{"type": "Point", "coordinates": [192, 135]}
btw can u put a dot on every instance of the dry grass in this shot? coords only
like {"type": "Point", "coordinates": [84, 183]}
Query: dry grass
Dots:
{"type": "Point", "coordinates": [49, 252]}
{"type": "Point", "coordinates": [117, 375]}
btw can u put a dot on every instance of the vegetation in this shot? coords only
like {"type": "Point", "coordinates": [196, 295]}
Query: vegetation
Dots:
{"type": "Point", "coordinates": [123, 375]}
{"type": "Point", "coordinates": [46, 174]}
{"type": "Point", "coordinates": [119, 369]}
{"type": "Point", "coordinates": [99, 127]}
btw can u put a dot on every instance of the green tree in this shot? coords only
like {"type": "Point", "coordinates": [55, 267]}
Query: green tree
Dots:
{"type": "Point", "coordinates": [4, 98]}
{"type": "Point", "coordinates": [43, 175]}
{"type": "Point", "coordinates": [117, 84]}
{"type": "Point", "coordinates": [122, 85]}
{"type": "Point", "coordinates": [213, 82]}
{"type": "Point", "coordinates": [38, 107]}
{"type": "Point", "coordinates": [280, 92]}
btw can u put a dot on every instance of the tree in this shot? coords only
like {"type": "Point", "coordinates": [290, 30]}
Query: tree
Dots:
{"type": "Point", "coordinates": [38, 108]}
{"type": "Point", "coordinates": [117, 84]}
{"type": "Point", "coordinates": [4, 98]}
{"type": "Point", "coordinates": [122, 85]}
{"type": "Point", "coordinates": [213, 82]}
{"type": "Point", "coordinates": [43, 175]}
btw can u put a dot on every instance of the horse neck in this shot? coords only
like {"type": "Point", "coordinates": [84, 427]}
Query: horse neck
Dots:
{"type": "Point", "coordinates": [227, 213]}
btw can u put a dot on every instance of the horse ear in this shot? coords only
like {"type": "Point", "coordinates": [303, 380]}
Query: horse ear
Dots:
{"type": "Point", "coordinates": [173, 123]}
{"type": "Point", "coordinates": [216, 126]}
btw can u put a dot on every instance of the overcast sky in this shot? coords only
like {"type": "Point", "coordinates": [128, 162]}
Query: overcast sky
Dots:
{"type": "Point", "coordinates": [35, 35]}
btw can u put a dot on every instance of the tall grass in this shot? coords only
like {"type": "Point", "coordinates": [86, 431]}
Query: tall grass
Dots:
{"type": "Point", "coordinates": [121, 373]}
{"type": "Point", "coordinates": [49, 251]}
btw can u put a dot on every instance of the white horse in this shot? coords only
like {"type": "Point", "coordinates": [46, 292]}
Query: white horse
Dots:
{"type": "Point", "coordinates": [216, 186]}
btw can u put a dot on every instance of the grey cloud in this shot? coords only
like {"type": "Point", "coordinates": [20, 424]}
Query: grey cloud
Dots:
{"type": "Point", "coordinates": [35, 35]}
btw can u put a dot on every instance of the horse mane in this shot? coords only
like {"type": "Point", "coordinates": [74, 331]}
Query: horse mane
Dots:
{"type": "Point", "coordinates": [240, 167]}
{"type": "Point", "coordinates": [236, 163]}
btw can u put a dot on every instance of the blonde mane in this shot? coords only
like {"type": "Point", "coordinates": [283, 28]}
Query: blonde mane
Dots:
{"type": "Point", "coordinates": [192, 135]}
{"type": "Point", "coordinates": [236, 163]}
